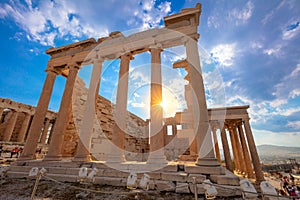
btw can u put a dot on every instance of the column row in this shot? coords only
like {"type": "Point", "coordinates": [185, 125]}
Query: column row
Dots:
{"type": "Point", "coordinates": [15, 128]}
{"type": "Point", "coordinates": [241, 143]}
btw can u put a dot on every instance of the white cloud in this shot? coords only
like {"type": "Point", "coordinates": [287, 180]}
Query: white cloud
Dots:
{"type": "Point", "coordinates": [288, 87]}
{"type": "Point", "coordinates": [213, 21]}
{"type": "Point", "coordinates": [256, 45]}
{"type": "Point", "coordinates": [276, 138]}
{"type": "Point", "coordinates": [224, 54]}
{"type": "Point", "coordinates": [269, 16]}
{"type": "Point", "coordinates": [49, 20]}
{"type": "Point", "coordinates": [273, 51]}
{"type": "Point", "coordinates": [295, 124]}
{"type": "Point", "coordinates": [241, 16]}
{"type": "Point", "coordinates": [138, 105]}
{"type": "Point", "coordinates": [294, 93]}
{"type": "Point", "coordinates": [291, 31]}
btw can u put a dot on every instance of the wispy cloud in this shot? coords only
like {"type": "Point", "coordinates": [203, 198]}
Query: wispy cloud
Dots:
{"type": "Point", "coordinates": [269, 16]}
{"type": "Point", "coordinates": [241, 16]}
{"type": "Point", "coordinates": [288, 87]}
{"type": "Point", "coordinates": [46, 21]}
{"type": "Point", "coordinates": [224, 54]}
{"type": "Point", "coordinates": [295, 124]}
{"type": "Point", "coordinates": [291, 31]}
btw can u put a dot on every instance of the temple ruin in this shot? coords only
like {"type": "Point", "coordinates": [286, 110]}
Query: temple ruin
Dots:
{"type": "Point", "coordinates": [123, 142]}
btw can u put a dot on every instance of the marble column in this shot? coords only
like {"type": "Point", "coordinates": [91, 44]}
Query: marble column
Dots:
{"type": "Point", "coordinates": [217, 149]}
{"type": "Point", "coordinates": [86, 130]}
{"type": "Point", "coordinates": [45, 131]}
{"type": "Point", "coordinates": [118, 135]}
{"type": "Point", "coordinates": [55, 146]}
{"type": "Point", "coordinates": [239, 150]}
{"type": "Point", "coordinates": [10, 126]}
{"type": "Point", "coordinates": [252, 147]}
{"type": "Point", "coordinates": [38, 118]}
{"type": "Point", "coordinates": [156, 155]}
{"type": "Point", "coordinates": [24, 128]}
{"type": "Point", "coordinates": [226, 150]}
{"type": "Point", "coordinates": [248, 163]}
{"type": "Point", "coordinates": [205, 148]}
{"type": "Point", "coordinates": [234, 149]}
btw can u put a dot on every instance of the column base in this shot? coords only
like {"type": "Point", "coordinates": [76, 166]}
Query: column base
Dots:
{"type": "Point", "coordinates": [53, 158]}
{"type": "Point", "coordinates": [155, 158]}
{"type": "Point", "coordinates": [82, 158]}
{"type": "Point", "coordinates": [213, 162]}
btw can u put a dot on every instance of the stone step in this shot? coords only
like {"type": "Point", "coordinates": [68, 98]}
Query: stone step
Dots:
{"type": "Point", "coordinates": [227, 179]}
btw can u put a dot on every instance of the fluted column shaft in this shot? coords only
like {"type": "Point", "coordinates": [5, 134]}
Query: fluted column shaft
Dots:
{"type": "Point", "coordinates": [118, 136]}
{"type": "Point", "coordinates": [245, 152]}
{"type": "Point", "coordinates": [252, 147]}
{"type": "Point", "coordinates": [226, 150]}
{"type": "Point", "coordinates": [45, 131]}
{"type": "Point", "coordinates": [217, 149]}
{"type": "Point", "coordinates": [55, 146]}
{"type": "Point", "coordinates": [10, 126]}
{"type": "Point", "coordinates": [156, 111]}
{"type": "Point", "coordinates": [205, 148]}
{"type": "Point", "coordinates": [239, 151]}
{"type": "Point", "coordinates": [24, 128]}
{"type": "Point", "coordinates": [86, 130]}
{"type": "Point", "coordinates": [38, 118]}
{"type": "Point", "coordinates": [234, 149]}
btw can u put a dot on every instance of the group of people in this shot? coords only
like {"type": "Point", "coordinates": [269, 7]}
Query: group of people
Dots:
{"type": "Point", "coordinates": [289, 186]}
{"type": "Point", "coordinates": [16, 151]}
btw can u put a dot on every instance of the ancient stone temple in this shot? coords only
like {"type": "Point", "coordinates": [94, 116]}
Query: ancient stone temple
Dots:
{"type": "Point", "coordinates": [90, 131]}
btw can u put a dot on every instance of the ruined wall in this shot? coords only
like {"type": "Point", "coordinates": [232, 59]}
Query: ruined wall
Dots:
{"type": "Point", "coordinates": [136, 141]}
{"type": "Point", "coordinates": [7, 107]}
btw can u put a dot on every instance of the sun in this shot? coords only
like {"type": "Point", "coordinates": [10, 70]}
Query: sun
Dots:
{"type": "Point", "coordinates": [169, 104]}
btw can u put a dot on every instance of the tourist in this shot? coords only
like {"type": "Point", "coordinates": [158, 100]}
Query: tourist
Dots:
{"type": "Point", "coordinates": [14, 151]}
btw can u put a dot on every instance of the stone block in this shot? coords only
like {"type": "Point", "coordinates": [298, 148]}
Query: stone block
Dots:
{"type": "Point", "coordinates": [115, 173]}
{"type": "Point", "coordinates": [112, 181]}
{"type": "Point", "coordinates": [227, 191]}
{"type": "Point", "coordinates": [169, 168]}
{"type": "Point", "coordinates": [227, 179]}
{"type": "Point", "coordinates": [15, 168]}
{"type": "Point", "coordinates": [72, 171]}
{"type": "Point", "coordinates": [177, 176]}
{"type": "Point", "coordinates": [154, 175]}
{"type": "Point", "coordinates": [182, 188]}
{"type": "Point", "coordinates": [199, 178]}
{"type": "Point", "coordinates": [204, 170]}
{"type": "Point", "coordinates": [56, 170]}
{"type": "Point", "coordinates": [11, 174]}
{"type": "Point", "coordinates": [164, 185]}
{"type": "Point", "coordinates": [200, 188]}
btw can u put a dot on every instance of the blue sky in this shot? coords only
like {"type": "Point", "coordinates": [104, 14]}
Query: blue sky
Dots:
{"type": "Point", "coordinates": [249, 52]}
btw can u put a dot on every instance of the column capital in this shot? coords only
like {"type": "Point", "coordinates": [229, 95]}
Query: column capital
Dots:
{"type": "Point", "coordinates": [98, 60]}
{"type": "Point", "coordinates": [156, 47]}
{"type": "Point", "coordinates": [246, 119]}
{"type": "Point", "coordinates": [73, 66]}
{"type": "Point", "coordinates": [51, 70]}
{"type": "Point", "coordinates": [187, 39]}
{"type": "Point", "coordinates": [127, 56]}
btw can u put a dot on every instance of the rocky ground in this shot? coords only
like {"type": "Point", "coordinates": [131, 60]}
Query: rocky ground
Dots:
{"type": "Point", "coordinates": [21, 189]}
